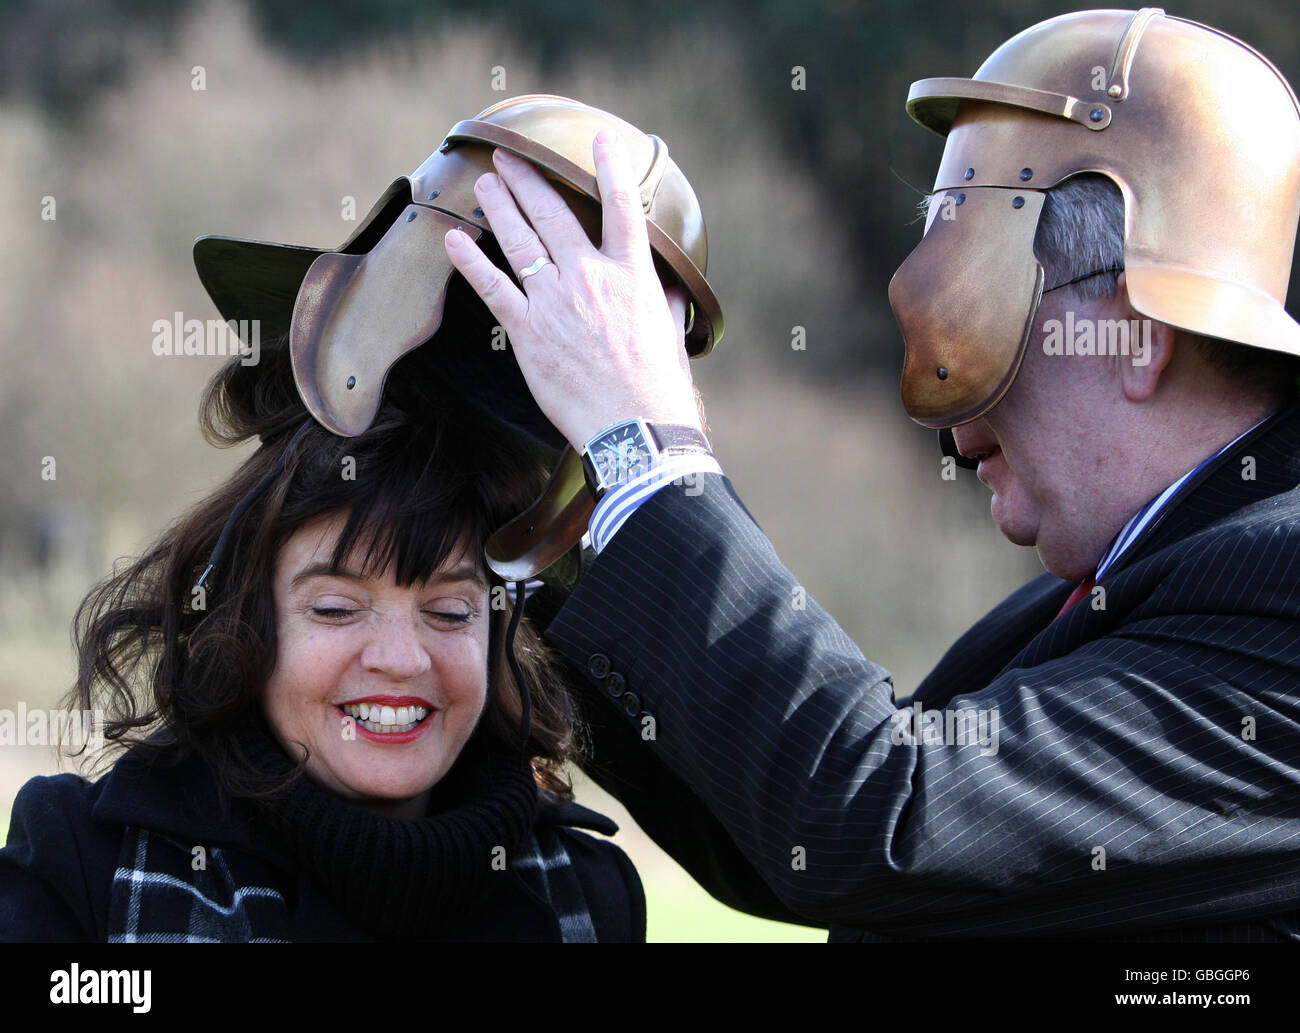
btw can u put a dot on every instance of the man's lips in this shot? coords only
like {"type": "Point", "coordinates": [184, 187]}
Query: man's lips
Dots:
{"type": "Point", "coordinates": [975, 440]}
{"type": "Point", "coordinates": [987, 459]}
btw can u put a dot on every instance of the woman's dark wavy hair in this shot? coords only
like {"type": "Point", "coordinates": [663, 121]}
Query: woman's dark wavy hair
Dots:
{"type": "Point", "coordinates": [179, 675]}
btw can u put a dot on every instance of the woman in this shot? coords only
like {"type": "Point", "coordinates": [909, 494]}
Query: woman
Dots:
{"type": "Point", "coordinates": [325, 733]}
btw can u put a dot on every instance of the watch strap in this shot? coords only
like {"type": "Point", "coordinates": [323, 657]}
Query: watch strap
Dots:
{"type": "Point", "coordinates": [676, 438]}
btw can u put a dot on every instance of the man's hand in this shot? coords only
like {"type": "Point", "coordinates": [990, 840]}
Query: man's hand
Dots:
{"type": "Point", "coordinates": [595, 335]}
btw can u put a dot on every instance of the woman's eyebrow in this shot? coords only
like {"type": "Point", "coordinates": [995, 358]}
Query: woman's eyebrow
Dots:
{"type": "Point", "coordinates": [325, 569]}
{"type": "Point", "coordinates": [465, 572]}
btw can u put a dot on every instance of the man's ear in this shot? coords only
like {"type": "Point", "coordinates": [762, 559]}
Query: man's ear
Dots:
{"type": "Point", "coordinates": [1150, 350]}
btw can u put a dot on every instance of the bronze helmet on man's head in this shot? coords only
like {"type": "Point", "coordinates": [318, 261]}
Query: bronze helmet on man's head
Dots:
{"type": "Point", "coordinates": [1200, 133]}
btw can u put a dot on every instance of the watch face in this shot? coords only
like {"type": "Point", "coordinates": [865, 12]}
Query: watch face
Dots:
{"type": "Point", "coordinates": [620, 454]}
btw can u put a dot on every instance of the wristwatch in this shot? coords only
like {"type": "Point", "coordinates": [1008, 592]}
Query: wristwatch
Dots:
{"type": "Point", "coordinates": [631, 447]}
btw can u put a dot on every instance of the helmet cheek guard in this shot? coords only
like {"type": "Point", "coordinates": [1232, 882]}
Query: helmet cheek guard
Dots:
{"type": "Point", "coordinates": [965, 332]}
{"type": "Point", "coordinates": [356, 315]}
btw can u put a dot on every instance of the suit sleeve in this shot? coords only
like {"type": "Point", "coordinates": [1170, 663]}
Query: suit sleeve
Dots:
{"type": "Point", "coordinates": [660, 802]}
{"type": "Point", "coordinates": [671, 814]}
{"type": "Point", "coordinates": [1145, 780]}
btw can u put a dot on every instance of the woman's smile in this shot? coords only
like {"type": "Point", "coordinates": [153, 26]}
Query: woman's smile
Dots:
{"type": "Point", "coordinates": [390, 719]}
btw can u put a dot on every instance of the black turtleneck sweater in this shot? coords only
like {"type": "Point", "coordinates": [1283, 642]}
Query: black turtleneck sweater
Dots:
{"type": "Point", "coordinates": [345, 873]}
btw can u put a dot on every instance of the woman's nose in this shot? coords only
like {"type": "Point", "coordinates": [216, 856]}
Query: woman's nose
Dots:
{"type": "Point", "coordinates": [395, 649]}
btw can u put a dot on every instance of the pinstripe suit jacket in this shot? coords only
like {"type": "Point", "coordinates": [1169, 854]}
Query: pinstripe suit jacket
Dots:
{"type": "Point", "coordinates": [1146, 781]}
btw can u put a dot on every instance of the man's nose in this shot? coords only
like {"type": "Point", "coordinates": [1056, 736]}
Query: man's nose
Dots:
{"type": "Point", "coordinates": [395, 649]}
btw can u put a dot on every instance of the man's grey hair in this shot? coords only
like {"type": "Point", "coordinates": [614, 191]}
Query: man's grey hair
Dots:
{"type": "Point", "coordinates": [1081, 231]}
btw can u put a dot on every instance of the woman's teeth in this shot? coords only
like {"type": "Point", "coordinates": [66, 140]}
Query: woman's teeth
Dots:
{"type": "Point", "coordinates": [385, 720]}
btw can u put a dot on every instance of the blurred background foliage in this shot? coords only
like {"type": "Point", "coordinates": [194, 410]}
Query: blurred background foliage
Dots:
{"type": "Point", "coordinates": [845, 128]}
{"type": "Point", "coordinates": [810, 194]}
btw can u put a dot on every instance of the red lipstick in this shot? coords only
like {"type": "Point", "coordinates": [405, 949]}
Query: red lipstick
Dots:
{"type": "Point", "coordinates": [383, 700]}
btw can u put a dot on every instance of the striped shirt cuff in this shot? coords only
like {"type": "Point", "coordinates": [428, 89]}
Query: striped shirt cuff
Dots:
{"type": "Point", "coordinates": [621, 502]}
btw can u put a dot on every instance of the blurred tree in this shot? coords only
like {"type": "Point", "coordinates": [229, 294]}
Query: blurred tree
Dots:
{"type": "Point", "coordinates": [858, 59]}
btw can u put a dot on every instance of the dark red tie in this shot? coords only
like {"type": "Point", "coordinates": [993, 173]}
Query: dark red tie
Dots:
{"type": "Point", "coordinates": [1083, 588]}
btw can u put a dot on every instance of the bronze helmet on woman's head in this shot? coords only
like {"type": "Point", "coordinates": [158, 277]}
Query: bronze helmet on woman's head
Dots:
{"type": "Point", "coordinates": [351, 313]}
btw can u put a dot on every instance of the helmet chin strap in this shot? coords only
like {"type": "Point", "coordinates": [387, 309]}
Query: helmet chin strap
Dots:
{"type": "Point", "coordinates": [1084, 276]}
{"type": "Point", "coordinates": [525, 697]}
{"type": "Point", "coordinates": [223, 540]}
{"type": "Point", "coordinates": [948, 446]}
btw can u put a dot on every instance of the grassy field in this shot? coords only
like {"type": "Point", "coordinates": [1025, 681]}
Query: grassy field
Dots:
{"type": "Point", "coordinates": [677, 909]}
{"type": "Point", "coordinates": [689, 915]}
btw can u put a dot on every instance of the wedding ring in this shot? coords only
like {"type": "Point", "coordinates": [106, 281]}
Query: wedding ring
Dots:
{"type": "Point", "coordinates": [536, 267]}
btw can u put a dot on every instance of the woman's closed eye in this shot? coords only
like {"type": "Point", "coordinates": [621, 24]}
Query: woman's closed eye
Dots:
{"type": "Point", "coordinates": [335, 606]}
{"type": "Point", "coordinates": [342, 613]}
{"type": "Point", "coordinates": [332, 612]}
{"type": "Point", "coordinates": [452, 616]}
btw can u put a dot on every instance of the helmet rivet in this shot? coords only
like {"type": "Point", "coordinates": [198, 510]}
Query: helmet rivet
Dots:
{"type": "Point", "coordinates": [1096, 114]}
{"type": "Point", "coordinates": [942, 373]}
{"type": "Point", "coordinates": [1116, 91]}
{"type": "Point", "coordinates": [1017, 202]}
{"type": "Point", "coordinates": [478, 213]}
{"type": "Point", "coordinates": [352, 382]}
{"type": "Point", "coordinates": [961, 198]}
{"type": "Point", "coordinates": [410, 216]}
{"type": "Point", "coordinates": [433, 194]}
{"type": "Point", "coordinates": [1026, 174]}
{"type": "Point", "coordinates": [970, 173]}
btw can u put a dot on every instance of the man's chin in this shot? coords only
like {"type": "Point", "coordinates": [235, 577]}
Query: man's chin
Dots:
{"type": "Point", "coordinates": [1014, 527]}
{"type": "Point", "coordinates": [1066, 563]}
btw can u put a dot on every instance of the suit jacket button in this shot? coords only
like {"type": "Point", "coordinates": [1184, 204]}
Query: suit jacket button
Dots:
{"type": "Point", "coordinates": [615, 684]}
{"type": "Point", "coordinates": [631, 704]}
{"type": "Point", "coordinates": [598, 664]}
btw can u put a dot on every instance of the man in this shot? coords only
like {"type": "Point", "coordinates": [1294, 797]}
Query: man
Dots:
{"type": "Point", "coordinates": [1118, 757]}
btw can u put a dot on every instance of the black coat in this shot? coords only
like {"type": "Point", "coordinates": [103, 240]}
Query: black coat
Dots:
{"type": "Point", "coordinates": [66, 840]}
{"type": "Point", "coordinates": [1147, 779]}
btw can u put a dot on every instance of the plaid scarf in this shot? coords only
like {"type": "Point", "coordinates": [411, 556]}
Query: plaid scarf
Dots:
{"type": "Point", "coordinates": [165, 891]}
{"type": "Point", "coordinates": [437, 873]}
